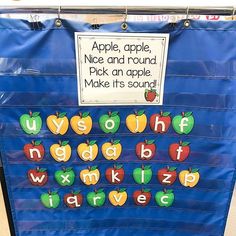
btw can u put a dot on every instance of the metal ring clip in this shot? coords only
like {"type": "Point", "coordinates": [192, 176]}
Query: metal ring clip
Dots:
{"type": "Point", "coordinates": [187, 21]}
{"type": "Point", "coordinates": [124, 25]}
{"type": "Point", "coordinates": [58, 22]}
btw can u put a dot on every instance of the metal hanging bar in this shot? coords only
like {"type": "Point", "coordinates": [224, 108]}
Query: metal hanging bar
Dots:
{"type": "Point", "coordinates": [224, 11]}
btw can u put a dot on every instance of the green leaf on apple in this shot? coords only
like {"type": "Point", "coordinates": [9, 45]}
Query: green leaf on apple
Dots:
{"type": "Point", "coordinates": [169, 191]}
{"type": "Point", "coordinates": [35, 114]}
{"type": "Point", "coordinates": [76, 192]}
{"type": "Point", "coordinates": [187, 114]}
{"type": "Point", "coordinates": [146, 190]}
{"type": "Point", "coordinates": [99, 190]}
{"type": "Point", "coordinates": [147, 167]}
{"type": "Point", "coordinates": [85, 114]}
{"type": "Point", "coordinates": [114, 113]}
{"type": "Point", "coordinates": [150, 141]}
{"type": "Point", "coordinates": [166, 114]}
{"type": "Point", "coordinates": [116, 141]}
{"type": "Point", "coordinates": [146, 93]}
{"type": "Point", "coordinates": [53, 193]}
{"type": "Point", "coordinates": [153, 90]}
{"type": "Point", "coordinates": [42, 169]}
{"type": "Point", "coordinates": [141, 112]}
{"type": "Point", "coordinates": [185, 144]}
{"type": "Point", "coordinates": [122, 190]}
{"type": "Point", "coordinates": [93, 168]}
{"type": "Point", "coordinates": [194, 170]}
{"type": "Point", "coordinates": [118, 166]}
{"type": "Point", "coordinates": [92, 142]}
{"type": "Point", "coordinates": [38, 142]}
{"type": "Point", "coordinates": [61, 115]}
{"type": "Point", "coordinates": [172, 168]}
{"type": "Point", "coordinates": [64, 143]}
{"type": "Point", "coordinates": [69, 169]}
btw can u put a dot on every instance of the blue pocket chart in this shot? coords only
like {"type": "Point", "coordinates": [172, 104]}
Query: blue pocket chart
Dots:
{"type": "Point", "coordinates": [174, 177]}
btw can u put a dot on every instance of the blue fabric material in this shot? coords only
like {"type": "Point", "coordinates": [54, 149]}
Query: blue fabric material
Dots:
{"type": "Point", "coordinates": [38, 72]}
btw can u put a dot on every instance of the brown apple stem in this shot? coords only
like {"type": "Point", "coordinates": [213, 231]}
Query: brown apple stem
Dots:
{"type": "Point", "coordinates": [60, 143]}
{"type": "Point", "coordinates": [87, 141]}
{"type": "Point", "coordinates": [136, 113]}
{"type": "Point", "coordinates": [142, 167]}
{"type": "Point", "coordinates": [64, 169]}
{"type": "Point", "coordinates": [190, 169]}
{"type": "Point", "coordinates": [95, 190]}
{"type": "Point", "coordinates": [164, 190]}
{"type": "Point", "coordinates": [182, 113]}
{"type": "Point", "coordinates": [180, 142]}
{"type": "Point", "coordinates": [32, 142]}
{"type": "Point", "coordinates": [168, 168]}
{"type": "Point", "coordinates": [146, 141]}
{"type": "Point", "coordinates": [109, 113]}
{"type": "Point", "coordinates": [57, 114]}
{"type": "Point", "coordinates": [37, 168]}
{"type": "Point", "coordinates": [80, 114]}
{"type": "Point", "coordinates": [49, 192]}
{"type": "Point", "coordinates": [89, 168]}
{"type": "Point", "coordinates": [112, 141]}
{"type": "Point", "coordinates": [30, 113]}
{"type": "Point", "coordinates": [161, 113]}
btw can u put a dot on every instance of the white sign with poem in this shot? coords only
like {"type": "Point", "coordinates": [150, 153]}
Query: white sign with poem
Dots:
{"type": "Point", "coordinates": [120, 68]}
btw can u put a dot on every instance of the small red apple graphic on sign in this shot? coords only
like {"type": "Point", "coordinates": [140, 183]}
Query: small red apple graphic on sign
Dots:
{"type": "Point", "coordinates": [179, 151]}
{"type": "Point", "coordinates": [146, 150]}
{"type": "Point", "coordinates": [150, 95]}
{"type": "Point", "coordinates": [167, 176]}
{"type": "Point", "coordinates": [160, 123]}
{"type": "Point", "coordinates": [142, 197]}
{"type": "Point", "coordinates": [73, 199]}
{"type": "Point", "coordinates": [34, 151]}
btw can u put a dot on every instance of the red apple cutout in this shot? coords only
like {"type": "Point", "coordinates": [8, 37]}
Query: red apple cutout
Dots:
{"type": "Point", "coordinates": [167, 176]}
{"type": "Point", "coordinates": [38, 176]}
{"type": "Point", "coordinates": [160, 123]}
{"type": "Point", "coordinates": [179, 151]}
{"type": "Point", "coordinates": [73, 199]}
{"type": "Point", "coordinates": [115, 175]}
{"type": "Point", "coordinates": [146, 150]}
{"type": "Point", "coordinates": [34, 151]}
{"type": "Point", "coordinates": [142, 197]}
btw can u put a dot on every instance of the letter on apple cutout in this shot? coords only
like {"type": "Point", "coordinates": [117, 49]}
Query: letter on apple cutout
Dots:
{"type": "Point", "coordinates": [81, 125]}
{"type": "Point", "coordinates": [145, 152]}
{"type": "Point", "coordinates": [162, 123]}
{"type": "Point", "coordinates": [90, 176]}
{"type": "Point", "coordinates": [182, 123]}
{"type": "Point", "coordinates": [109, 124]}
{"type": "Point", "coordinates": [60, 153]}
{"type": "Point", "coordinates": [31, 152]}
{"type": "Point", "coordinates": [114, 177]}
{"type": "Point", "coordinates": [57, 125]}
{"type": "Point", "coordinates": [111, 151]}
{"type": "Point", "coordinates": [73, 200]}
{"type": "Point", "coordinates": [37, 179]}
{"type": "Point", "coordinates": [179, 150]}
{"type": "Point", "coordinates": [65, 178]}
{"type": "Point", "coordinates": [95, 200]}
{"type": "Point", "coordinates": [141, 199]}
{"type": "Point", "coordinates": [163, 199]}
{"type": "Point", "coordinates": [31, 126]}
{"type": "Point", "coordinates": [137, 124]}
{"type": "Point", "coordinates": [166, 179]}
{"type": "Point", "coordinates": [50, 201]}
{"type": "Point", "coordinates": [88, 154]}
{"type": "Point", "coordinates": [189, 178]}
{"type": "Point", "coordinates": [117, 197]}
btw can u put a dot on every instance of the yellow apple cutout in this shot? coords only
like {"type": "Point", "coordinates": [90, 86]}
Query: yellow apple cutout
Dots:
{"type": "Point", "coordinates": [118, 197]}
{"type": "Point", "coordinates": [82, 123]}
{"type": "Point", "coordinates": [90, 176]}
{"type": "Point", "coordinates": [189, 178]}
{"type": "Point", "coordinates": [58, 124]}
{"type": "Point", "coordinates": [88, 151]}
{"type": "Point", "coordinates": [61, 151]}
{"type": "Point", "coordinates": [137, 122]}
{"type": "Point", "coordinates": [112, 150]}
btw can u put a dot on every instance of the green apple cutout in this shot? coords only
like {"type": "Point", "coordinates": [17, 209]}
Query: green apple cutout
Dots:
{"type": "Point", "coordinates": [183, 124]}
{"type": "Point", "coordinates": [50, 199]}
{"type": "Point", "coordinates": [96, 198]}
{"type": "Point", "coordinates": [142, 175]}
{"type": "Point", "coordinates": [165, 198]}
{"type": "Point", "coordinates": [31, 123]}
{"type": "Point", "coordinates": [110, 123]}
{"type": "Point", "coordinates": [65, 177]}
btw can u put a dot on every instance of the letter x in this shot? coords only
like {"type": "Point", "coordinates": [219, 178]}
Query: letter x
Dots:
{"type": "Point", "coordinates": [65, 178]}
